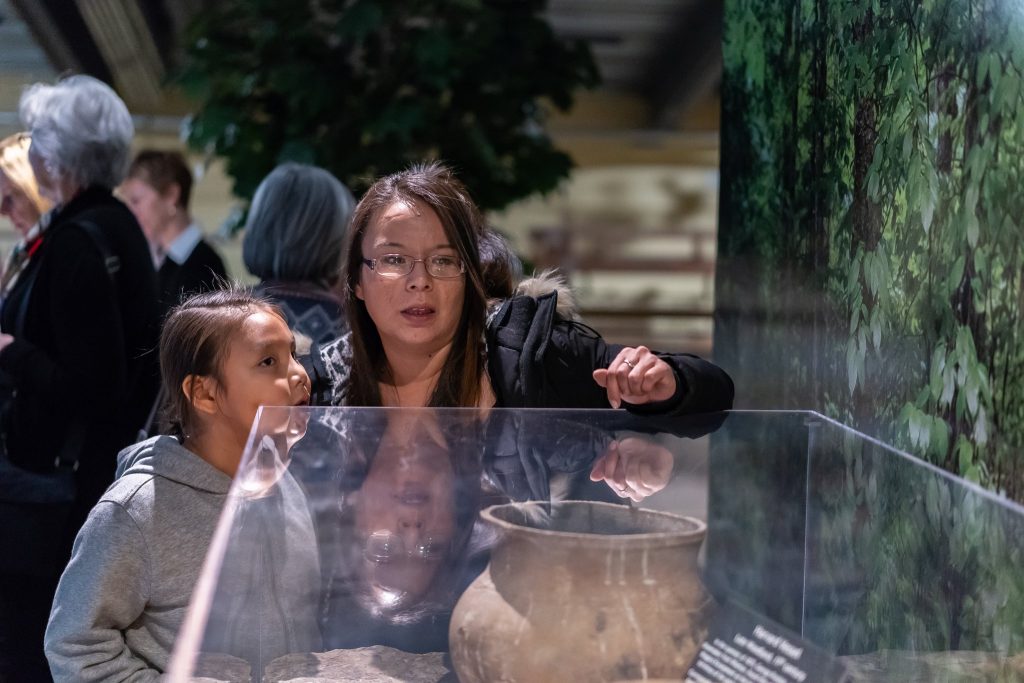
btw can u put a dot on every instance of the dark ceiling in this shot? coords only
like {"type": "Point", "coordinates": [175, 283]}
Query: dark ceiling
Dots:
{"type": "Point", "coordinates": [667, 52]}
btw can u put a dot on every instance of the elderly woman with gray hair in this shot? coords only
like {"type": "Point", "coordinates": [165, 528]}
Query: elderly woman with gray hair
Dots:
{"type": "Point", "coordinates": [293, 242]}
{"type": "Point", "coordinates": [77, 333]}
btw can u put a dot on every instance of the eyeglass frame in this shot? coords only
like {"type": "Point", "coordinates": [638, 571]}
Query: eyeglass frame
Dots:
{"type": "Point", "coordinates": [371, 263]}
{"type": "Point", "coordinates": [428, 550]}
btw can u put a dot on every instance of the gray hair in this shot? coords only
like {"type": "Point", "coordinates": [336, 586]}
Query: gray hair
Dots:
{"type": "Point", "coordinates": [81, 130]}
{"type": "Point", "coordinates": [296, 225]}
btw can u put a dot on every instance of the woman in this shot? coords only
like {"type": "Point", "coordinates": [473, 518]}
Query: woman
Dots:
{"type": "Point", "coordinates": [79, 328]}
{"type": "Point", "coordinates": [293, 237]}
{"type": "Point", "coordinates": [157, 190]}
{"type": "Point", "coordinates": [20, 201]}
{"type": "Point", "coordinates": [420, 333]}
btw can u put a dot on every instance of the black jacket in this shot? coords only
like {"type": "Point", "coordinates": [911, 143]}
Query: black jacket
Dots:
{"type": "Point", "coordinates": [538, 359]}
{"type": "Point", "coordinates": [86, 351]}
{"type": "Point", "coordinates": [199, 273]}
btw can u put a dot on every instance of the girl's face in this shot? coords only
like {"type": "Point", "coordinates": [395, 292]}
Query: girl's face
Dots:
{"type": "Point", "coordinates": [16, 205]}
{"type": "Point", "coordinates": [152, 210]}
{"type": "Point", "coordinates": [260, 369]}
{"type": "Point", "coordinates": [414, 313]}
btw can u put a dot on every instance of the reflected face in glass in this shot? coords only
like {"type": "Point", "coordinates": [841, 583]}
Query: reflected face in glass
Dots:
{"type": "Point", "coordinates": [417, 311]}
{"type": "Point", "coordinates": [152, 210]}
{"type": "Point", "coordinates": [405, 516]}
{"type": "Point", "coordinates": [16, 205]}
{"type": "Point", "coordinates": [260, 369]}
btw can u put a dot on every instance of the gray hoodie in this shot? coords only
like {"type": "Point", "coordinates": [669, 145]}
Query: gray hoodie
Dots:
{"type": "Point", "coordinates": [123, 596]}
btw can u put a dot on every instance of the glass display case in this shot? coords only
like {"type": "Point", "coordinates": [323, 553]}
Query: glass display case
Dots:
{"type": "Point", "coordinates": [363, 544]}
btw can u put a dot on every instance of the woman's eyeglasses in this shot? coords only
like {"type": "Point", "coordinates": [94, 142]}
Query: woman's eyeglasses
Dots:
{"type": "Point", "coordinates": [399, 265]}
{"type": "Point", "coordinates": [383, 547]}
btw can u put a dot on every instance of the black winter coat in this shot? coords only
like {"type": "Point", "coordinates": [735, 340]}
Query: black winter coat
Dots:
{"type": "Point", "coordinates": [86, 353]}
{"type": "Point", "coordinates": [538, 359]}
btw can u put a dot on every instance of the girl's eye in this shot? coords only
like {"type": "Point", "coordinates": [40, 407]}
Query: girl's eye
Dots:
{"type": "Point", "coordinates": [268, 361]}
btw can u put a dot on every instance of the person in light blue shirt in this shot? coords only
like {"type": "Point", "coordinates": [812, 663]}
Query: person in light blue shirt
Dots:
{"type": "Point", "coordinates": [157, 190]}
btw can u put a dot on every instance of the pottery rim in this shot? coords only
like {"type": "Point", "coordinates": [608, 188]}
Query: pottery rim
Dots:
{"type": "Point", "coordinates": [691, 531]}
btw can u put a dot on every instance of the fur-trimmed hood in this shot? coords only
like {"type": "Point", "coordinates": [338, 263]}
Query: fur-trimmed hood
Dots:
{"type": "Point", "coordinates": [548, 281]}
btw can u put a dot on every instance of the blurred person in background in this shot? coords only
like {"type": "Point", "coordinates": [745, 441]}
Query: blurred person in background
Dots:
{"type": "Point", "coordinates": [78, 331]}
{"type": "Point", "coordinates": [20, 202]}
{"type": "Point", "coordinates": [293, 242]}
{"type": "Point", "coordinates": [157, 190]}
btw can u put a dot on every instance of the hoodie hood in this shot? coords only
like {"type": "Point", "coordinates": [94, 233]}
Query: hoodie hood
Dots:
{"type": "Point", "coordinates": [164, 456]}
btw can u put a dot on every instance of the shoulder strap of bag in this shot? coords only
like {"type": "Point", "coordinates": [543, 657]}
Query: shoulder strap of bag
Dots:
{"type": "Point", "coordinates": [113, 264]}
{"type": "Point", "coordinates": [147, 428]}
{"type": "Point", "coordinates": [111, 261]}
{"type": "Point", "coordinates": [71, 451]}
{"type": "Point", "coordinates": [28, 282]}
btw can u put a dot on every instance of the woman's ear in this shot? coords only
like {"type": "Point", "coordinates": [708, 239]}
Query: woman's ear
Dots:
{"type": "Point", "coordinates": [201, 391]}
{"type": "Point", "coordinates": [359, 290]}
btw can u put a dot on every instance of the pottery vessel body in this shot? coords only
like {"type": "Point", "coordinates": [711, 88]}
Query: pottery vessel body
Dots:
{"type": "Point", "coordinates": [604, 593]}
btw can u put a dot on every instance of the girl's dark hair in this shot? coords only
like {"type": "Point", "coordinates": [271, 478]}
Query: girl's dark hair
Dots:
{"type": "Point", "coordinates": [194, 341]}
{"type": "Point", "coordinates": [436, 186]}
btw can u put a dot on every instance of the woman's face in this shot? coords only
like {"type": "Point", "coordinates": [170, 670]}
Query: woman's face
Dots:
{"type": "Point", "coordinates": [152, 210]}
{"type": "Point", "coordinates": [16, 205]}
{"type": "Point", "coordinates": [415, 313]}
{"type": "Point", "coordinates": [405, 512]}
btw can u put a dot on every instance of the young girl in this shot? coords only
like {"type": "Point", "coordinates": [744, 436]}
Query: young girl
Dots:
{"type": "Point", "coordinates": [123, 596]}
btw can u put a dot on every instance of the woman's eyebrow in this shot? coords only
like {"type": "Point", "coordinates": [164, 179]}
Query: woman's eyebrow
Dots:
{"type": "Point", "coordinates": [399, 244]}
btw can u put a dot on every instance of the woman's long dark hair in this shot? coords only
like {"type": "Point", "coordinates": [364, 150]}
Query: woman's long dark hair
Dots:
{"type": "Point", "coordinates": [436, 186]}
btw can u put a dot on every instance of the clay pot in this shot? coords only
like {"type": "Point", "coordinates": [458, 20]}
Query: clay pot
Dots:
{"type": "Point", "coordinates": [582, 591]}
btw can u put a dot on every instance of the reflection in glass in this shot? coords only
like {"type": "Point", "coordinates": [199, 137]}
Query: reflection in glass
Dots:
{"type": "Point", "coordinates": [405, 518]}
{"type": "Point", "coordinates": [362, 529]}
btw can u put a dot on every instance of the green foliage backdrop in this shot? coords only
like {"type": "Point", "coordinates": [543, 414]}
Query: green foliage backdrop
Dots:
{"type": "Point", "coordinates": [365, 87]}
{"type": "Point", "coordinates": [871, 221]}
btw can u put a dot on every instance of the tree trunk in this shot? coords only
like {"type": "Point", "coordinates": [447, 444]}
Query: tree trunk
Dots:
{"type": "Point", "coordinates": [944, 156]}
{"type": "Point", "coordinates": [867, 214]}
{"type": "Point", "coordinates": [818, 230]}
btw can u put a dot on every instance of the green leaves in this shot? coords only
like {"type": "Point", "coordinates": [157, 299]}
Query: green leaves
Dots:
{"type": "Point", "coordinates": [366, 87]}
{"type": "Point", "coordinates": [360, 20]}
{"type": "Point", "coordinates": [970, 208]}
{"type": "Point", "coordinates": [915, 267]}
{"type": "Point", "coordinates": [921, 269]}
